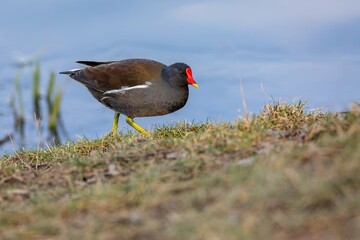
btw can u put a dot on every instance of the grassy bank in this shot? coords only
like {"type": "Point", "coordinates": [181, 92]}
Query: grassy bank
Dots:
{"type": "Point", "coordinates": [283, 174]}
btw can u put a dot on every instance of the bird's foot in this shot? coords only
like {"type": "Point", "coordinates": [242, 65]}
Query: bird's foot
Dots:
{"type": "Point", "coordinates": [133, 124]}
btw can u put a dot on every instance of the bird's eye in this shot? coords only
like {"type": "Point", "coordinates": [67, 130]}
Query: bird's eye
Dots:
{"type": "Point", "coordinates": [181, 72]}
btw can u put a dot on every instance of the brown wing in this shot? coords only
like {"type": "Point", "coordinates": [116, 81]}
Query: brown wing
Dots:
{"type": "Point", "coordinates": [106, 76]}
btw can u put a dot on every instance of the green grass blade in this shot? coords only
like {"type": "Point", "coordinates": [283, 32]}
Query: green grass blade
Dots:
{"type": "Point", "coordinates": [50, 86]}
{"type": "Point", "coordinates": [36, 90]}
{"type": "Point", "coordinates": [17, 103]}
{"type": "Point", "coordinates": [54, 114]}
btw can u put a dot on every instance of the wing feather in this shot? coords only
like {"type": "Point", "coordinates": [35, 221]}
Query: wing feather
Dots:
{"type": "Point", "coordinates": [106, 76]}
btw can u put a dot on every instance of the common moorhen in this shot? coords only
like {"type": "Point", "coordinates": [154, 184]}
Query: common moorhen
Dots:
{"type": "Point", "coordinates": [136, 87]}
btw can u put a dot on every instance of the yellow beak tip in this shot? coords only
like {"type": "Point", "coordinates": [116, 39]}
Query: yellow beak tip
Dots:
{"type": "Point", "coordinates": [195, 85]}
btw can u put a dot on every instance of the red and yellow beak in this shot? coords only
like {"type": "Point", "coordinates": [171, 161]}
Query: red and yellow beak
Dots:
{"type": "Point", "coordinates": [190, 78]}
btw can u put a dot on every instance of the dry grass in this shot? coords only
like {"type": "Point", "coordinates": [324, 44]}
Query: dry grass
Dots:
{"type": "Point", "coordinates": [283, 174]}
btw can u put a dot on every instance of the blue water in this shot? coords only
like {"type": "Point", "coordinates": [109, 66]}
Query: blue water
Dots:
{"type": "Point", "coordinates": [280, 49]}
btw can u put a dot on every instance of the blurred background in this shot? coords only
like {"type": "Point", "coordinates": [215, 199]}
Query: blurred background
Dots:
{"type": "Point", "coordinates": [308, 50]}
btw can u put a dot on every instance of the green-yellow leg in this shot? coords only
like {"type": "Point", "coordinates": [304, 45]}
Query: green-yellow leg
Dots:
{"type": "Point", "coordinates": [132, 123]}
{"type": "Point", "coordinates": [115, 123]}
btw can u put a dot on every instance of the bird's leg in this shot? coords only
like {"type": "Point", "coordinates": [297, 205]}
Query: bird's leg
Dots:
{"type": "Point", "coordinates": [115, 123]}
{"type": "Point", "coordinates": [132, 123]}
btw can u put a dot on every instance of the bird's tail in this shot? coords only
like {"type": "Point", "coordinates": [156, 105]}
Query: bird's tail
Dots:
{"type": "Point", "coordinates": [70, 71]}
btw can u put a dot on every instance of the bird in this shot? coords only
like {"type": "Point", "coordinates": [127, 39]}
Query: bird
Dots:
{"type": "Point", "coordinates": [136, 87]}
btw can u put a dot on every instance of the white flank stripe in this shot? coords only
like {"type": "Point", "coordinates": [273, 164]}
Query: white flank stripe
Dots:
{"type": "Point", "coordinates": [74, 70]}
{"type": "Point", "coordinates": [124, 89]}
